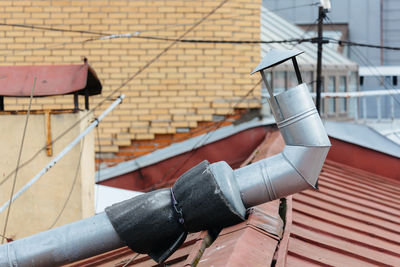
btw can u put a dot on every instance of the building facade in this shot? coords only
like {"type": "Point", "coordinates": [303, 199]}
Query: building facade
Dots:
{"type": "Point", "coordinates": [170, 87]}
{"type": "Point", "coordinates": [369, 22]}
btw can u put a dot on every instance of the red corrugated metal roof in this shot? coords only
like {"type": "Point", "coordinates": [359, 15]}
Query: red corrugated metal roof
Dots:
{"type": "Point", "coordinates": [352, 220]}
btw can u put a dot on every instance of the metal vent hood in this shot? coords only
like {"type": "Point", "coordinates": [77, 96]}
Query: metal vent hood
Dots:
{"type": "Point", "coordinates": [207, 197]}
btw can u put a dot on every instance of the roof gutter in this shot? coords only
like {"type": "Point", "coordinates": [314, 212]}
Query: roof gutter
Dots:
{"type": "Point", "coordinates": [208, 196]}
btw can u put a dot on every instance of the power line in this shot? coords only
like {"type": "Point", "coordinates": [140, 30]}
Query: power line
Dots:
{"type": "Point", "coordinates": [349, 43]}
{"type": "Point", "coordinates": [202, 141]}
{"type": "Point", "coordinates": [294, 7]}
{"type": "Point", "coordinates": [305, 32]}
{"type": "Point", "coordinates": [154, 59]}
{"type": "Point", "coordinates": [123, 84]}
{"type": "Point", "coordinates": [367, 63]}
{"type": "Point", "coordinates": [47, 28]}
{"type": "Point", "coordinates": [71, 188]}
{"type": "Point", "coordinates": [18, 160]}
{"type": "Point", "coordinates": [98, 170]}
{"type": "Point", "coordinates": [135, 74]}
{"type": "Point", "coordinates": [63, 152]}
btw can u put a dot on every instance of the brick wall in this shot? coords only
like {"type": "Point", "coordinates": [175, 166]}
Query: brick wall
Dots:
{"type": "Point", "coordinates": [184, 87]}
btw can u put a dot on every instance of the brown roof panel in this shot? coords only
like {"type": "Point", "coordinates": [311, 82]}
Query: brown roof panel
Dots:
{"type": "Point", "coordinates": [252, 243]}
{"type": "Point", "coordinates": [352, 220]}
{"type": "Point", "coordinates": [50, 80]}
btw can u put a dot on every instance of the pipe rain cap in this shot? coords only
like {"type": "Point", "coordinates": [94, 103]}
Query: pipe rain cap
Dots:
{"type": "Point", "coordinates": [275, 57]}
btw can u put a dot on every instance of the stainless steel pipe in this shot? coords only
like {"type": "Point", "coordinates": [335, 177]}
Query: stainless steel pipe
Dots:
{"type": "Point", "coordinates": [65, 244]}
{"type": "Point", "coordinates": [298, 166]}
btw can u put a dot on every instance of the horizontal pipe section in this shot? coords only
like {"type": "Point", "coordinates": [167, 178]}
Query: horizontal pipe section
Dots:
{"type": "Point", "coordinates": [65, 244]}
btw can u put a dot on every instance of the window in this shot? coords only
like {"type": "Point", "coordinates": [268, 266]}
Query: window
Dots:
{"type": "Point", "coordinates": [308, 79]}
{"type": "Point", "coordinates": [352, 87]}
{"type": "Point", "coordinates": [342, 88]}
{"type": "Point", "coordinates": [292, 79]}
{"type": "Point", "coordinates": [322, 90]}
{"type": "Point", "coordinates": [331, 89]}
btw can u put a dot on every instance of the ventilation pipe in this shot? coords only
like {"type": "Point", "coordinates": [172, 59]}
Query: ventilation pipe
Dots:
{"type": "Point", "coordinates": [307, 144]}
{"type": "Point", "coordinates": [207, 197]}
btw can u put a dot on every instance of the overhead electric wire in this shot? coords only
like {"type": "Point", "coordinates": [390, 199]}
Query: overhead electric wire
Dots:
{"type": "Point", "coordinates": [305, 33]}
{"type": "Point", "coordinates": [62, 153]}
{"type": "Point", "coordinates": [104, 34]}
{"type": "Point", "coordinates": [48, 28]}
{"type": "Point", "coordinates": [201, 141]}
{"type": "Point", "coordinates": [154, 59]}
{"type": "Point", "coordinates": [18, 161]}
{"type": "Point", "coordinates": [123, 84]}
{"type": "Point", "coordinates": [71, 187]}
{"type": "Point", "coordinates": [96, 201]}
{"type": "Point", "coordinates": [368, 64]}
{"type": "Point", "coordinates": [349, 43]}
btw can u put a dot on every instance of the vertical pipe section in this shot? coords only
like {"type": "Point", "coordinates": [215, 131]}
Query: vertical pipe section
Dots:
{"type": "Point", "coordinates": [65, 244]}
{"type": "Point", "coordinates": [297, 168]}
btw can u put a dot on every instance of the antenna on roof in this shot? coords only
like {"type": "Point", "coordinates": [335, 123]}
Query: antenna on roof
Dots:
{"type": "Point", "coordinates": [326, 4]}
{"type": "Point", "coordinates": [323, 9]}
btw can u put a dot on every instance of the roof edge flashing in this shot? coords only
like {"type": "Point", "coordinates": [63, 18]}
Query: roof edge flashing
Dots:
{"type": "Point", "coordinates": [177, 149]}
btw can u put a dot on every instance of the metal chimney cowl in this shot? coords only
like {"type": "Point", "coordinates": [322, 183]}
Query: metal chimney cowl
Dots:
{"type": "Point", "coordinates": [207, 197]}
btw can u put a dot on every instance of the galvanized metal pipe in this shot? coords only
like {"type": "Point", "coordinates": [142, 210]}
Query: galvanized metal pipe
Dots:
{"type": "Point", "coordinates": [65, 244]}
{"type": "Point", "coordinates": [298, 166]}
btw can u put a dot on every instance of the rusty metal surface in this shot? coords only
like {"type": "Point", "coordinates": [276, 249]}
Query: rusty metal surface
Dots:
{"type": "Point", "coordinates": [270, 224]}
{"type": "Point", "coordinates": [51, 80]}
{"type": "Point", "coordinates": [354, 219]}
{"type": "Point", "coordinates": [49, 147]}
{"type": "Point", "coordinates": [281, 253]}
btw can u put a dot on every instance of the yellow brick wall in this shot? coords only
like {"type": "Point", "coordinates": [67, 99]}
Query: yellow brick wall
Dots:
{"type": "Point", "coordinates": [186, 85]}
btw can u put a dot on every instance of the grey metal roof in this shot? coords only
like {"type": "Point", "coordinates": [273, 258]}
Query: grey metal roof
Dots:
{"type": "Point", "coordinates": [362, 135]}
{"type": "Point", "coordinates": [177, 149]}
{"type": "Point", "coordinates": [273, 27]}
{"type": "Point", "coordinates": [275, 57]}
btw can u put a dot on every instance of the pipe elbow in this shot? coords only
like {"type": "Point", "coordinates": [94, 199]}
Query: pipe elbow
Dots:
{"type": "Point", "coordinates": [298, 166]}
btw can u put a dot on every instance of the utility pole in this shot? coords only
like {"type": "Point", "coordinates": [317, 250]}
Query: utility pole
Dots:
{"type": "Point", "coordinates": [323, 8]}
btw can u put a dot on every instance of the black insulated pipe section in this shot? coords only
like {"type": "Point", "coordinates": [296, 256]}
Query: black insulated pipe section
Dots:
{"type": "Point", "coordinates": [152, 223]}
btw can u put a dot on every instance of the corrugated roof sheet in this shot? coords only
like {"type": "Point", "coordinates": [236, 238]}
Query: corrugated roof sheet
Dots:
{"type": "Point", "coordinates": [273, 27]}
{"type": "Point", "coordinates": [353, 220]}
